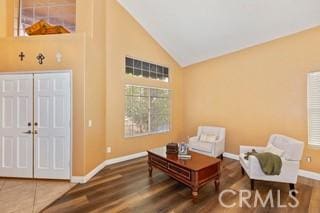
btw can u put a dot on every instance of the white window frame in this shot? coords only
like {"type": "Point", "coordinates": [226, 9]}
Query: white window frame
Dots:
{"type": "Point", "coordinates": [18, 29]}
{"type": "Point", "coordinates": [149, 113]}
{"type": "Point", "coordinates": [149, 62]}
{"type": "Point", "coordinates": [313, 106]}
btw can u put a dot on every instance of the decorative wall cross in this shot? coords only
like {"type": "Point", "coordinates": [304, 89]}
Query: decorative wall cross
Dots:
{"type": "Point", "coordinates": [59, 57]}
{"type": "Point", "coordinates": [21, 56]}
{"type": "Point", "coordinates": [40, 58]}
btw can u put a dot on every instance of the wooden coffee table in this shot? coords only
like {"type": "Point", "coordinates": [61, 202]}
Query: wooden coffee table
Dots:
{"type": "Point", "coordinates": [194, 173]}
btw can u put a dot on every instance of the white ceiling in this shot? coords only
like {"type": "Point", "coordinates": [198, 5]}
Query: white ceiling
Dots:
{"type": "Point", "coordinates": [196, 30]}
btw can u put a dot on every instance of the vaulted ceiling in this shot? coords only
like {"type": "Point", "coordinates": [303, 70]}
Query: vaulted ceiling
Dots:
{"type": "Point", "coordinates": [192, 31]}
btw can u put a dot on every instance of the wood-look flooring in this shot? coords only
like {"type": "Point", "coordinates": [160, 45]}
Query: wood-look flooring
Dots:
{"type": "Point", "coordinates": [126, 187]}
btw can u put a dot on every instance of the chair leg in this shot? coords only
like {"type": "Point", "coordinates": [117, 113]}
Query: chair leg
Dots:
{"type": "Point", "coordinates": [252, 184]}
{"type": "Point", "coordinates": [242, 171]}
{"type": "Point", "coordinates": [292, 188]}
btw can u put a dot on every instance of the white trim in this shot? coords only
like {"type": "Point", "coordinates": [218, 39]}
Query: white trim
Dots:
{"type": "Point", "coordinates": [147, 61]}
{"type": "Point", "coordinates": [125, 158]}
{"type": "Point", "coordinates": [150, 132]}
{"type": "Point", "coordinates": [231, 156]}
{"type": "Point", "coordinates": [309, 174]}
{"type": "Point", "coordinates": [35, 71]}
{"type": "Point", "coordinates": [86, 178]}
{"type": "Point", "coordinates": [302, 173]}
{"type": "Point", "coordinates": [43, 72]}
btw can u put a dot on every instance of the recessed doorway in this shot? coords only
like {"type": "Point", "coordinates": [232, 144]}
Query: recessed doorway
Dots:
{"type": "Point", "coordinates": [35, 125]}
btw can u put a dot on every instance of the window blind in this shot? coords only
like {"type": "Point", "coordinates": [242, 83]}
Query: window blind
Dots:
{"type": "Point", "coordinates": [314, 108]}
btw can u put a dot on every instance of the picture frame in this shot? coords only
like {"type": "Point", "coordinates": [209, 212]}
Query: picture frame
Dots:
{"type": "Point", "coordinates": [183, 149]}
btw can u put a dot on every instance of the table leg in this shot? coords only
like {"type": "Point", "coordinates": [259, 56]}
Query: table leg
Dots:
{"type": "Point", "coordinates": [194, 194]}
{"type": "Point", "coordinates": [217, 184]}
{"type": "Point", "coordinates": [150, 170]}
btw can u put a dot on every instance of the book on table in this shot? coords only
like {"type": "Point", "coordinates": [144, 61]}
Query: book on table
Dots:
{"type": "Point", "coordinates": [184, 156]}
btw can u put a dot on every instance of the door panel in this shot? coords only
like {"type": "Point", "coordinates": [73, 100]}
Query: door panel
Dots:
{"type": "Point", "coordinates": [52, 115]}
{"type": "Point", "coordinates": [16, 111]}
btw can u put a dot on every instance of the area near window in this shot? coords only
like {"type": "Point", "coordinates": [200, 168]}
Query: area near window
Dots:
{"type": "Point", "coordinates": [54, 12]}
{"type": "Point", "coordinates": [144, 69]}
{"type": "Point", "coordinates": [147, 110]}
{"type": "Point", "coordinates": [314, 108]}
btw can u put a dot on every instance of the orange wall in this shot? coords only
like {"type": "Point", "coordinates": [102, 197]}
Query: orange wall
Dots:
{"type": "Point", "coordinates": [82, 53]}
{"type": "Point", "coordinates": [95, 84]}
{"type": "Point", "coordinates": [49, 45]}
{"type": "Point", "coordinates": [85, 53]}
{"type": "Point", "coordinates": [255, 92]}
{"type": "Point", "coordinates": [126, 37]}
{"type": "Point", "coordinates": [3, 20]}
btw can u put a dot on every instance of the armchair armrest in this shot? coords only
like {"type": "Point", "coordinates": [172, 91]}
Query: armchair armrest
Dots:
{"type": "Point", "coordinates": [245, 149]}
{"type": "Point", "coordinates": [221, 140]}
{"type": "Point", "coordinates": [218, 147]}
{"type": "Point", "coordinates": [254, 164]}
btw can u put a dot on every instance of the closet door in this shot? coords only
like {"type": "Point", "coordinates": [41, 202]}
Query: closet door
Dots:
{"type": "Point", "coordinates": [52, 126]}
{"type": "Point", "coordinates": [16, 119]}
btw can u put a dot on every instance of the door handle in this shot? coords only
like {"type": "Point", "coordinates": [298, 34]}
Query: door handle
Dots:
{"type": "Point", "coordinates": [28, 132]}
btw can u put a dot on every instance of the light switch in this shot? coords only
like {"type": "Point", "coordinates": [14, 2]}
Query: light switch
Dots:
{"type": "Point", "coordinates": [309, 159]}
{"type": "Point", "coordinates": [90, 123]}
{"type": "Point", "coordinates": [108, 149]}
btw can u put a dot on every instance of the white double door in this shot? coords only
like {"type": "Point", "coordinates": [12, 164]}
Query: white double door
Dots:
{"type": "Point", "coordinates": [35, 125]}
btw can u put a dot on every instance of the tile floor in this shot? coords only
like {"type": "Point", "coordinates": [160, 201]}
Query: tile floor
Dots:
{"type": "Point", "coordinates": [20, 195]}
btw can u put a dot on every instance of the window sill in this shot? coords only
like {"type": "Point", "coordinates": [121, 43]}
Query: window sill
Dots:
{"type": "Point", "coordinates": [314, 147]}
{"type": "Point", "coordinates": [147, 134]}
{"type": "Point", "coordinates": [37, 37]}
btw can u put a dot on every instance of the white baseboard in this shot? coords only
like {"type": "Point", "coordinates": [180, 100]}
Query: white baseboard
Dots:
{"type": "Point", "coordinates": [308, 174]}
{"type": "Point", "coordinates": [125, 158]}
{"type": "Point", "coordinates": [231, 156]}
{"type": "Point", "coordinates": [302, 173]}
{"type": "Point", "coordinates": [86, 178]}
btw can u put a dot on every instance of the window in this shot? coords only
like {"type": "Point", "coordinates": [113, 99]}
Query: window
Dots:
{"type": "Point", "coordinates": [54, 12]}
{"type": "Point", "coordinates": [314, 108]}
{"type": "Point", "coordinates": [147, 110]}
{"type": "Point", "coordinates": [146, 70]}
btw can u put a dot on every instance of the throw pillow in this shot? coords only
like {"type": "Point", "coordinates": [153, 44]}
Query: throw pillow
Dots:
{"type": "Point", "coordinates": [203, 137]}
{"type": "Point", "coordinates": [211, 138]}
{"type": "Point", "coordinates": [274, 150]}
{"type": "Point", "coordinates": [207, 138]}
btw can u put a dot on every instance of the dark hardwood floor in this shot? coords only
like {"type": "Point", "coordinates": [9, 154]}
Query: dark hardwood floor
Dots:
{"type": "Point", "coordinates": [126, 187]}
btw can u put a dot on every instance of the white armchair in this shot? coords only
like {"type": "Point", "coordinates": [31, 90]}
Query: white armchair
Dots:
{"type": "Point", "coordinates": [293, 150]}
{"type": "Point", "coordinates": [213, 148]}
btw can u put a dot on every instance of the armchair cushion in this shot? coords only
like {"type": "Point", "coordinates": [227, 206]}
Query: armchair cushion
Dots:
{"type": "Point", "coordinates": [208, 138]}
{"type": "Point", "coordinates": [201, 146]}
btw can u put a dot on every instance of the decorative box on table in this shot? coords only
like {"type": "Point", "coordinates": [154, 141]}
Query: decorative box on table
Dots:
{"type": "Point", "coordinates": [172, 148]}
